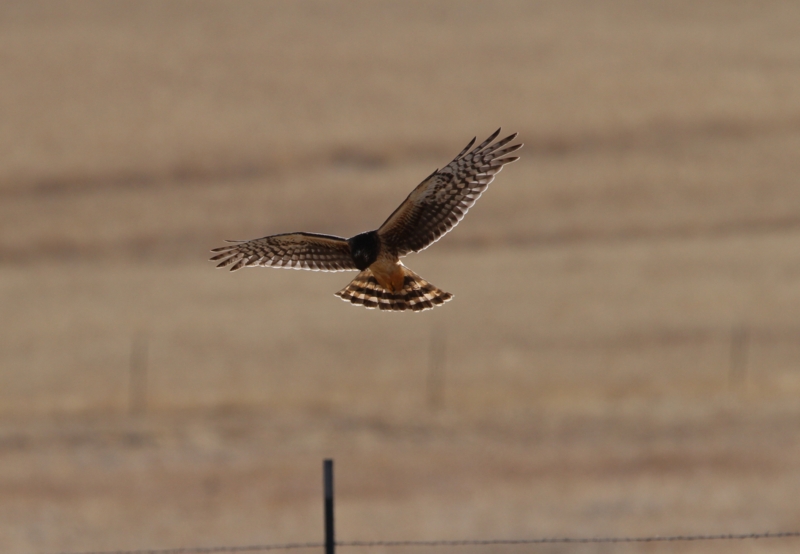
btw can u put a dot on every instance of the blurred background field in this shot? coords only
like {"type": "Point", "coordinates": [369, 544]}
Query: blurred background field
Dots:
{"type": "Point", "coordinates": [622, 356]}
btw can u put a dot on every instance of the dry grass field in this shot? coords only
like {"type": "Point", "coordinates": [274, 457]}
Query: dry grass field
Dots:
{"type": "Point", "coordinates": [622, 356]}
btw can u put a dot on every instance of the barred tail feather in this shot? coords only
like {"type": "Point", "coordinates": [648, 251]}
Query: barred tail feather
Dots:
{"type": "Point", "coordinates": [416, 295]}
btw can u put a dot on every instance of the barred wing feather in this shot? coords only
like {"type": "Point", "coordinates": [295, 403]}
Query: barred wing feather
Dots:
{"type": "Point", "coordinates": [441, 201]}
{"type": "Point", "coordinates": [290, 250]}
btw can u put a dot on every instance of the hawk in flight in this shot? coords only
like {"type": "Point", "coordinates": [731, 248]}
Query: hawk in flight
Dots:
{"type": "Point", "coordinates": [431, 210]}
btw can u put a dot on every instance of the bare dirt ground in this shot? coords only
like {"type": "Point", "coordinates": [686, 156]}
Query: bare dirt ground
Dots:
{"type": "Point", "coordinates": [622, 356]}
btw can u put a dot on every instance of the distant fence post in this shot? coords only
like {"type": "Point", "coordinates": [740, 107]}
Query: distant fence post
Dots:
{"type": "Point", "coordinates": [327, 477]}
{"type": "Point", "coordinates": [740, 346]}
{"type": "Point", "coordinates": [436, 363]}
{"type": "Point", "coordinates": [137, 375]}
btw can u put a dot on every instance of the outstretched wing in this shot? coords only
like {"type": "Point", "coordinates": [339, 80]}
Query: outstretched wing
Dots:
{"type": "Point", "coordinates": [291, 250]}
{"type": "Point", "coordinates": [442, 200]}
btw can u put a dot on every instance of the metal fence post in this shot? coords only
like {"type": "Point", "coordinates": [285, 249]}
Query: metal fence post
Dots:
{"type": "Point", "coordinates": [327, 477]}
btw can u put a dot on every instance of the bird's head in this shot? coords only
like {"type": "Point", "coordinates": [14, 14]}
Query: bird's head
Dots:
{"type": "Point", "coordinates": [364, 249]}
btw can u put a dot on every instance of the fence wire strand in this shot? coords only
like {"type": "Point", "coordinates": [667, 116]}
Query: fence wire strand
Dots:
{"type": "Point", "coordinates": [446, 543]}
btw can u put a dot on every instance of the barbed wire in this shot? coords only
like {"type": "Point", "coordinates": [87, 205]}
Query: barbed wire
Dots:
{"type": "Point", "coordinates": [577, 540]}
{"type": "Point", "coordinates": [446, 543]}
{"type": "Point", "coordinates": [208, 549]}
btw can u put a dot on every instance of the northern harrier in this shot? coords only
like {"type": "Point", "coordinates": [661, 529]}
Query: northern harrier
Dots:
{"type": "Point", "coordinates": [431, 210]}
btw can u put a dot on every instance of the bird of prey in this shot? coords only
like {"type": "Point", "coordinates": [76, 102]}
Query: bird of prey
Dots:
{"type": "Point", "coordinates": [431, 210]}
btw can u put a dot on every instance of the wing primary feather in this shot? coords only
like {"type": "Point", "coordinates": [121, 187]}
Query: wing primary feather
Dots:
{"type": "Point", "coordinates": [509, 150]}
{"type": "Point", "coordinates": [485, 143]}
{"type": "Point", "coordinates": [503, 161]}
{"type": "Point", "coordinates": [466, 148]}
{"type": "Point", "coordinates": [500, 143]}
{"type": "Point", "coordinates": [222, 248]}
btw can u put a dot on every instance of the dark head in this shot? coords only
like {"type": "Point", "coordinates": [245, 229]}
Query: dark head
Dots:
{"type": "Point", "coordinates": [364, 249]}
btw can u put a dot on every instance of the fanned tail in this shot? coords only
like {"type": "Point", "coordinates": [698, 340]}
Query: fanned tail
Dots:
{"type": "Point", "coordinates": [416, 295]}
